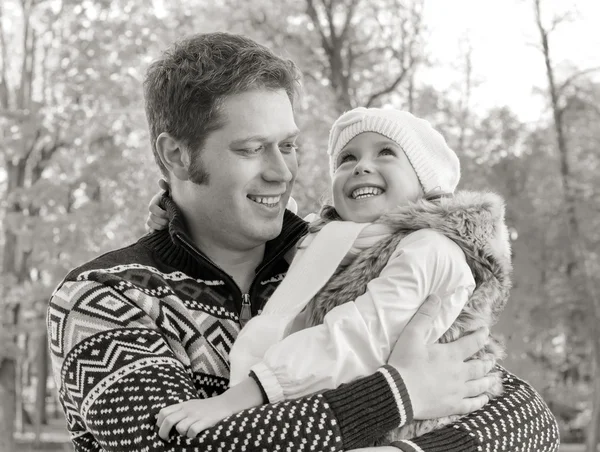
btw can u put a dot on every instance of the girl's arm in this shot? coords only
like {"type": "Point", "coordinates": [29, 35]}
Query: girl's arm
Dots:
{"type": "Point", "coordinates": [356, 338]}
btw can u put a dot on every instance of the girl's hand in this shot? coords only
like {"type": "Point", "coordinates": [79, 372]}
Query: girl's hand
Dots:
{"type": "Point", "coordinates": [192, 417]}
{"type": "Point", "coordinates": [157, 217]}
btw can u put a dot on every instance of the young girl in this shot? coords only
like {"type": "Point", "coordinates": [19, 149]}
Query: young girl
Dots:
{"type": "Point", "coordinates": [396, 233]}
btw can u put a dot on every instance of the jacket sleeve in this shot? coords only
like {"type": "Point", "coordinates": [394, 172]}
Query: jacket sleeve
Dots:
{"type": "Point", "coordinates": [115, 375]}
{"type": "Point", "coordinates": [356, 338]}
{"type": "Point", "coordinates": [518, 420]}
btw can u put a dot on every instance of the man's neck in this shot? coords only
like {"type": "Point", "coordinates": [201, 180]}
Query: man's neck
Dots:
{"type": "Point", "coordinates": [241, 265]}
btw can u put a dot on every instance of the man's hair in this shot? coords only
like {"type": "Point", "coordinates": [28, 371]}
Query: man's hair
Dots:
{"type": "Point", "coordinates": [185, 87]}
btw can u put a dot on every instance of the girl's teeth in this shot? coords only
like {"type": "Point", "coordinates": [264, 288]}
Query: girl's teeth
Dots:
{"type": "Point", "coordinates": [366, 192]}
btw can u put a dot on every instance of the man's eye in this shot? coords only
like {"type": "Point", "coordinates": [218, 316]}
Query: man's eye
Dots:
{"type": "Point", "coordinates": [288, 147]}
{"type": "Point", "coordinates": [387, 151]}
{"type": "Point", "coordinates": [252, 150]}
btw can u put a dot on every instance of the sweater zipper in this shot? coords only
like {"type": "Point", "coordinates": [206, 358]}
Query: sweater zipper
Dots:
{"type": "Point", "coordinates": [246, 297]}
{"type": "Point", "coordinates": [246, 306]}
{"type": "Point", "coordinates": [246, 311]}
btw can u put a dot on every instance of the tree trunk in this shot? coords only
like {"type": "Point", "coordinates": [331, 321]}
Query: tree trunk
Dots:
{"type": "Point", "coordinates": [7, 407]}
{"type": "Point", "coordinates": [577, 268]}
{"type": "Point", "coordinates": [39, 416]}
{"type": "Point", "coordinates": [592, 433]}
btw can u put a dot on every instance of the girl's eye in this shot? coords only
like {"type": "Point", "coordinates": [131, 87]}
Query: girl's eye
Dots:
{"type": "Point", "coordinates": [387, 151]}
{"type": "Point", "coordinates": [346, 158]}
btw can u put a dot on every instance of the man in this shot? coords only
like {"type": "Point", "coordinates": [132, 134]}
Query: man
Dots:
{"type": "Point", "coordinates": [152, 324]}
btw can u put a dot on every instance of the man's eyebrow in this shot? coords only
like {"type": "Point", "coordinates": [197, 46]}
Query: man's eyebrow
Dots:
{"type": "Point", "coordinates": [262, 138]}
{"type": "Point", "coordinates": [292, 134]}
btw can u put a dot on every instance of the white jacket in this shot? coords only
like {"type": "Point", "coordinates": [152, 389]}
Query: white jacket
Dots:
{"type": "Point", "coordinates": [355, 338]}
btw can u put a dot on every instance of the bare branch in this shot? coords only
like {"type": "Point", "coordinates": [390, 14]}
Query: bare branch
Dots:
{"type": "Point", "coordinates": [314, 17]}
{"type": "Point", "coordinates": [349, 17]}
{"type": "Point", "coordinates": [557, 20]}
{"type": "Point", "coordinates": [575, 76]}
{"type": "Point", "coordinates": [26, 46]}
{"type": "Point", "coordinates": [46, 153]}
{"type": "Point", "coordinates": [404, 51]}
{"type": "Point", "coordinates": [29, 151]}
{"type": "Point", "coordinates": [329, 14]}
{"type": "Point", "coordinates": [391, 87]}
{"type": "Point", "coordinates": [4, 93]}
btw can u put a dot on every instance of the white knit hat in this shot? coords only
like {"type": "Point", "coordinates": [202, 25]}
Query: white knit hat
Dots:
{"type": "Point", "coordinates": [437, 166]}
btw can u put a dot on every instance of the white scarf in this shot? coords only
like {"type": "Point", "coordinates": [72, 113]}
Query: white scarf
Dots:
{"type": "Point", "coordinates": [317, 258]}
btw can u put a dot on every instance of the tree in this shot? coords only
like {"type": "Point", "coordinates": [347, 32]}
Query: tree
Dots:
{"type": "Point", "coordinates": [73, 130]}
{"type": "Point", "coordinates": [578, 267]}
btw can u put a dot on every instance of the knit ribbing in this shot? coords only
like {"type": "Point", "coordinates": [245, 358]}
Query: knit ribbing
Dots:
{"type": "Point", "coordinates": [370, 406]}
{"type": "Point", "coordinates": [506, 423]}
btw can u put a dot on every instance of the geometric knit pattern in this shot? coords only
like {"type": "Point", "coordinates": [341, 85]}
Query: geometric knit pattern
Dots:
{"type": "Point", "coordinates": [128, 340]}
{"type": "Point", "coordinates": [518, 421]}
{"type": "Point", "coordinates": [148, 326]}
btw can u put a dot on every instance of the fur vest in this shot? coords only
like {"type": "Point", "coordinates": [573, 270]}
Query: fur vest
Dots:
{"type": "Point", "coordinates": [474, 221]}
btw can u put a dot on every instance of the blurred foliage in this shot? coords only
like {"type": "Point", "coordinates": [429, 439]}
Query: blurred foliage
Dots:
{"type": "Point", "coordinates": [78, 170]}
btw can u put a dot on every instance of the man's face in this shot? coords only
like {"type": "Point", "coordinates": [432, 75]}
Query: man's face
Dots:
{"type": "Point", "coordinates": [251, 166]}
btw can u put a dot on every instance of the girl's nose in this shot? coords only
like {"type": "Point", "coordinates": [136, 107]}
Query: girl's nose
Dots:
{"type": "Point", "coordinates": [362, 168]}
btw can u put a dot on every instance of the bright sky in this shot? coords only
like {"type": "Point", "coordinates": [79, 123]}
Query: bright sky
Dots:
{"type": "Point", "coordinates": [502, 33]}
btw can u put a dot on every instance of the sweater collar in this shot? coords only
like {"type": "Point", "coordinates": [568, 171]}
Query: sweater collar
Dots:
{"type": "Point", "coordinates": [172, 246]}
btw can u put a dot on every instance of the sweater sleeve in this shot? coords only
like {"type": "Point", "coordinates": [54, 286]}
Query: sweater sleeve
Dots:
{"type": "Point", "coordinates": [356, 338]}
{"type": "Point", "coordinates": [115, 370]}
{"type": "Point", "coordinates": [518, 420]}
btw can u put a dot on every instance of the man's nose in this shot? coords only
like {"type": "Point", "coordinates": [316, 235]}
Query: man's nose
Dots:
{"type": "Point", "coordinates": [277, 167]}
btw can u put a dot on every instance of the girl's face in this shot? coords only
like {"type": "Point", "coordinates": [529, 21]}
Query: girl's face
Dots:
{"type": "Point", "coordinates": [372, 176]}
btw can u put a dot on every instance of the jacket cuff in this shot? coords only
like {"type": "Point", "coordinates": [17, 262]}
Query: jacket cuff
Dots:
{"type": "Point", "coordinates": [370, 407]}
{"type": "Point", "coordinates": [445, 439]}
{"type": "Point", "coordinates": [265, 399]}
{"type": "Point", "coordinates": [406, 446]}
{"type": "Point", "coordinates": [268, 382]}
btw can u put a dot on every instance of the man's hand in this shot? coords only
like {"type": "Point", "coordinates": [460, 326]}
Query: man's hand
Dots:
{"type": "Point", "coordinates": [439, 381]}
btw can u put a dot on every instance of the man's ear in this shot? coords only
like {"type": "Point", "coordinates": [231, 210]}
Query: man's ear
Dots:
{"type": "Point", "coordinates": [173, 156]}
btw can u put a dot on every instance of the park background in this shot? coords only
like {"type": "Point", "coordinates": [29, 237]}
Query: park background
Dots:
{"type": "Point", "coordinates": [514, 85]}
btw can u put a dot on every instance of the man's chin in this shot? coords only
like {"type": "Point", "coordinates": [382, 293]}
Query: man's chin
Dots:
{"type": "Point", "coordinates": [271, 229]}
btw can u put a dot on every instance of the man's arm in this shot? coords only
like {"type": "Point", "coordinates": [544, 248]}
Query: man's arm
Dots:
{"type": "Point", "coordinates": [518, 420]}
{"type": "Point", "coordinates": [114, 378]}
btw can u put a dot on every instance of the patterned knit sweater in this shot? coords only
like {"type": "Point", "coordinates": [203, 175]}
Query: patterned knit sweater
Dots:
{"type": "Point", "coordinates": [152, 324]}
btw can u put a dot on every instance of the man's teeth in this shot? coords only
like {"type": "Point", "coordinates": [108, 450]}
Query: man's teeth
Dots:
{"type": "Point", "coordinates": [366, 192]}
{"type": "Point", "coordinates": [266, 200]}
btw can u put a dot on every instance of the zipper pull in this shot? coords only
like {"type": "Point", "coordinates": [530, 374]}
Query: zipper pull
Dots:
{"type": "Point", "coordinates": [246, 312]}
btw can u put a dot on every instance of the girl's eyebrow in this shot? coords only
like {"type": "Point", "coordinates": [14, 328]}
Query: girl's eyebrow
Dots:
{"type": "Point", "coordinates": [377, 144]}
{"type": "Point", "coordinates": [387, 142]}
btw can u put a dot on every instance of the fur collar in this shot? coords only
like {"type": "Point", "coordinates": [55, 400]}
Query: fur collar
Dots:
{"type": "Point", "coordinates": [474, 220]}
